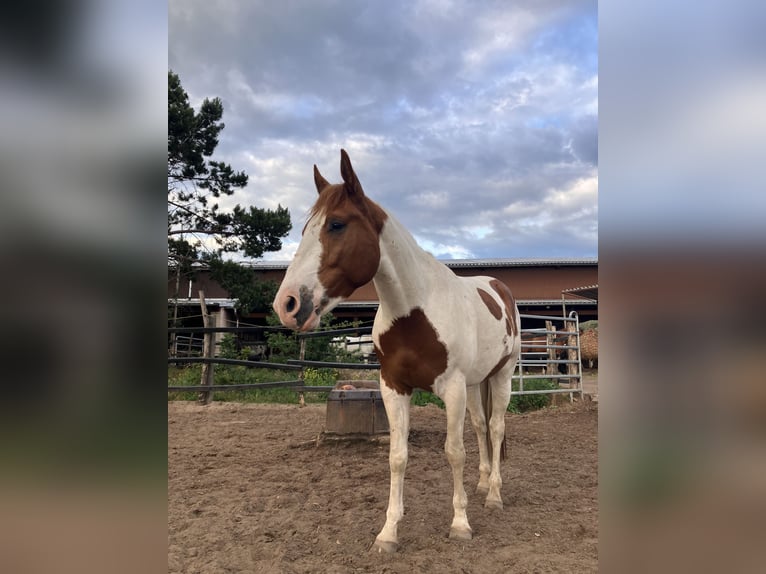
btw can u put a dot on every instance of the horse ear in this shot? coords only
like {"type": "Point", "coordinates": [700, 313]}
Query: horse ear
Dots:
{"type": "Point", "coordinates": [319, 181]}
{"type": "Point", "coordinates": [351, 182]}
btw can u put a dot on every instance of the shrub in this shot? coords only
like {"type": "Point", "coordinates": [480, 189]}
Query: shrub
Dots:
{"type": "Point", "coordinates": [284, 345]}
{"type": "Point", "coordinates": [524, 403]}
{"type": "Point", "coordinates": [423, 398]}
{"type": "Point", "coordinates": [228, 348]}
{"type": "Point", "coordinates": [518, 404]}
{"type": "Point", "coordinates": [319, 377]}
{"type": "Point", "coordinates": [226, 374]}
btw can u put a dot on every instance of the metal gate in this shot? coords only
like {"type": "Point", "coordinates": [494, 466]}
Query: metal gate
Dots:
{"type": "Point", "coordinates": [547, 349]}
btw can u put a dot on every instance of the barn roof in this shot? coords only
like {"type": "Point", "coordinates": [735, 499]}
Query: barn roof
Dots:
{"type": "Point", "coordinates": [519, 262]}
{"type": "Point", "coordinates": [587, 292]}
{"type": "Point", "coordinates": [463, 263]}
{"type": "Point", "coordinates": [227, 302]}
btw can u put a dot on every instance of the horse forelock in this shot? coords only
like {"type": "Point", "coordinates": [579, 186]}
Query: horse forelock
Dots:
{"type": "Point", "coordinates": [335, 196]}
{"type": "Point", "coordinates": [350, 259]}
{"type": "Point", "coordinates": [331, 198]}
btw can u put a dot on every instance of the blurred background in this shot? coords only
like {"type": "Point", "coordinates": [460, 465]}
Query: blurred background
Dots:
{"type": "Point", "coordinates": [83, 115]}
{"type": "Point", "coordinates": [682, 137]}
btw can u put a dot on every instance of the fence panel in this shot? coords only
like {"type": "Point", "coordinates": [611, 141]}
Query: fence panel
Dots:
{"type": "Point", "coordinates": [187, 346]}
{"type": "Point", "coordinates": [543, 352]}
{"type": "Point", "coordinates": [559, 338]}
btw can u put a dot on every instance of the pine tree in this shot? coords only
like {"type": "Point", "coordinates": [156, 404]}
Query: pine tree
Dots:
{"type": "Point", "coordinates": [198, 230]}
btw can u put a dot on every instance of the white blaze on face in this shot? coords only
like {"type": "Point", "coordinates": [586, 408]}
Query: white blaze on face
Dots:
{"type": "Point", "coordinates": [301, 299]}
{"type": "Point", "coordinates": [331, 262]}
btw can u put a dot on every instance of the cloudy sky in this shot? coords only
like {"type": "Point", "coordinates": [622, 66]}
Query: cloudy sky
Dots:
{"type": "Point", "coordinates": [474, 123]}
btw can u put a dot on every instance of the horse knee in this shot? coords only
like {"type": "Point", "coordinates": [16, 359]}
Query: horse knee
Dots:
{"type": "Point", "coordinates": [397, 461]}
{"type": "Point", "coordinates": [497, 426]}
{"type": "Point", "coordinates": [455, 451]}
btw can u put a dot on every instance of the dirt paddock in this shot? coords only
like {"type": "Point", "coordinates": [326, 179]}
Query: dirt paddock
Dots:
{"type": "Point", "coordinates": [249, 492]}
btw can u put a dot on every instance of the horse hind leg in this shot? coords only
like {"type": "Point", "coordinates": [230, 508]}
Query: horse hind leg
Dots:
{"type": "Point", "coordinates": [497, 405]}
{"type": "Point", "coordinates": [476, 398]}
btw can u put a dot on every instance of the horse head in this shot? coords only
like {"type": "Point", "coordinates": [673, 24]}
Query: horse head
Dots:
{"type": "Point", "coordinates": [339, 251]}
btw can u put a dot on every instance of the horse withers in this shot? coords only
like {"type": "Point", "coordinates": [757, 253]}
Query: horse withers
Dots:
{"type": "Point", "coordinates": [457, 337]}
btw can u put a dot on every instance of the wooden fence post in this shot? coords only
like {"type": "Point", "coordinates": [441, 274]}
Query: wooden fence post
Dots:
{"type": "Point", "coordinates": [572, 354]}
{"type": "Point", "coordinates": [550, 340]}
{"type": "Point", "coordinates": [208, 351]}
{"type": "Point", "coordinates": [173, 347]}
{"type": "Point", "coordinates": [301, 376]}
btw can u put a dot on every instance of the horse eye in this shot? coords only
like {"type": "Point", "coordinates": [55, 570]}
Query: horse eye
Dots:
{"type": "Point", "coordinates": [336, 225]}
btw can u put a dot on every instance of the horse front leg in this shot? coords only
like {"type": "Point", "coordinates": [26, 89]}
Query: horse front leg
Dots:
{"type": "Point", "coordinates": [398, 413]}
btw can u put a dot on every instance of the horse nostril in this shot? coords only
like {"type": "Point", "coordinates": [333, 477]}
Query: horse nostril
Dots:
{"type": "Point", "coordinates": [290, 306]}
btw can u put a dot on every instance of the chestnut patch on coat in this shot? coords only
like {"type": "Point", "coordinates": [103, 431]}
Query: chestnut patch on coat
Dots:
{"type": "Point", "coordinates": [500, 364]}
{"type": "Point", "coordinates": [350, 233]}
{"type": "Point", "coordinates": [510, 305]}
{"type": "Point", "coordinates": [350, 238]}
{"type": "Point", "coordinates": [491, 304]}
{"type": "Point", "coordinates": [410, 353]}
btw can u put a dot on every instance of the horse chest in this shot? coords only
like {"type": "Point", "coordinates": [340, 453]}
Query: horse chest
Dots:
{"type": "Point", "coordinates": [411, 354]}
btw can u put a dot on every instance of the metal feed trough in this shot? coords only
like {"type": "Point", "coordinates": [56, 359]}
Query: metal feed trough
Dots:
{"type": "Point", "coordinates": [356, 408]}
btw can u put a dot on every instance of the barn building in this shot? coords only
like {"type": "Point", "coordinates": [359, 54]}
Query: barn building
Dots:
{"type": "Point", "coordinates": [541, 287]}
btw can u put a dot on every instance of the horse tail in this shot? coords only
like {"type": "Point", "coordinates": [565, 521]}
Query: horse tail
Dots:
{"type": "Point", "coordinates": [486, 401]}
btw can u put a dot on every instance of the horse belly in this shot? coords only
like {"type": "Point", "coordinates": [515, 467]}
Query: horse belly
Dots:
{"type": "Point", "coordinates": [480, 350]}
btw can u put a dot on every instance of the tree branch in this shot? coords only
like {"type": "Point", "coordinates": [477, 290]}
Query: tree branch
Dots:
{"type": "Point", "coordinates": [193, 214]}
{"type": "Point", "coordinates": [205, 231]}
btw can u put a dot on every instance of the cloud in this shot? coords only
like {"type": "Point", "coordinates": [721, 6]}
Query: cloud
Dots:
{"type": "Point", "coordinates": [450, 111]}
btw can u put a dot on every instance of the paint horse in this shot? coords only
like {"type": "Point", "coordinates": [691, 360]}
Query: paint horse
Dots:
{"type": "Point", "coordinates": [457, 337]}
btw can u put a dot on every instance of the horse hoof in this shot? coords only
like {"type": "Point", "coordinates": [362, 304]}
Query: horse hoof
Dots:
{"type": "Point", "coordinates": [493, 504]}
{"type": "Point", "coordinates": [482, 490]}
{"type": "Point", "coordinates": [460, 534]}
{"type": "Point", "coordinates": [385, 547]}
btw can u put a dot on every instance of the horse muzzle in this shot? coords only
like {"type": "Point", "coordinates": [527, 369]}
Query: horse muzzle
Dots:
{"type": "Point", "coordinates": [296, 309]}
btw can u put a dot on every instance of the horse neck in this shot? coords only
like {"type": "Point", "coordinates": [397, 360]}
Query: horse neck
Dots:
{"type": "Point", "coordinates": [406, 273]}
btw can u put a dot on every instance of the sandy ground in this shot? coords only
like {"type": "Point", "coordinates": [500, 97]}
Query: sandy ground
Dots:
{"type": "Point", "coordinates": [590, 383]}
{"type": "Point", "coordinates": [250, 491]}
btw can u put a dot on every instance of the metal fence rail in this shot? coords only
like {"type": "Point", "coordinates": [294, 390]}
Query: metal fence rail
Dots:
{"type": "Point", "coordinates": [531, 358]}
{"type": "Point", "coordinates": [240, 362]}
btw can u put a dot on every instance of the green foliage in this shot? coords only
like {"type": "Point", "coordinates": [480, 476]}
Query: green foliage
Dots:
{"type": "Point", "coordinates": [227, 374]}
{"type": "Point", "coordinates": [228, 348]}
{"type": "Point", "coordinates": [524, 403]}
{"type": "Point", "coordinates": [196, 182]}
{"type": "Point", "coordinates": [240, 283]}
{"type": "Point", "coordinates": [183, 254]}
{"type": "Point", "coordinates": [518, 404]}
{"type": "Point", "coordinates": [285, 345]}
{"type": "Point", "coordinates": [423, 398]}
{"type": "Point", "coordinates": [320, 377]}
